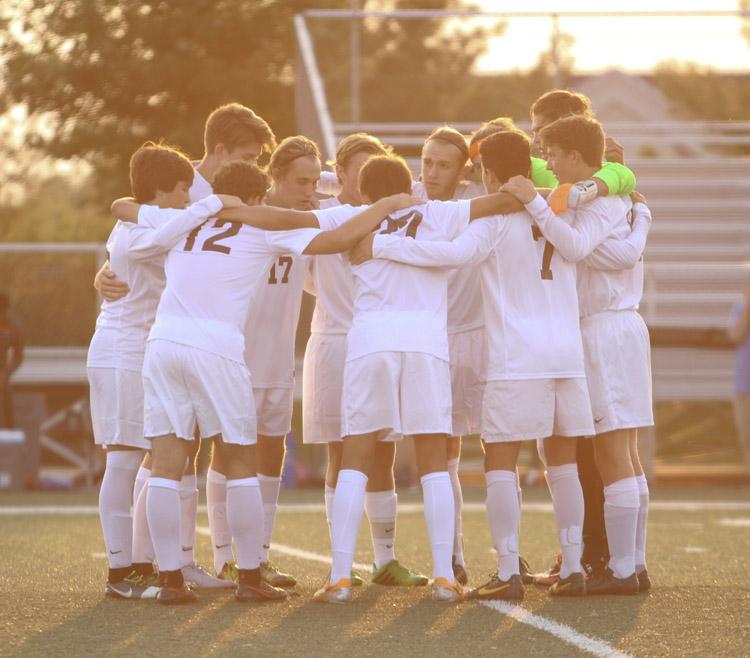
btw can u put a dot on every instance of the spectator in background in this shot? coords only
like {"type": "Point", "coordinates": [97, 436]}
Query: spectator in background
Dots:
{"type": "Point", "coordinates": [739, 334]}
{"type": "Point", "coordinates": [11, 340]}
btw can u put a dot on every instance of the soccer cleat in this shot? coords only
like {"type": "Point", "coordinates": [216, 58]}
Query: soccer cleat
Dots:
{"type": "Point", "coordinates": [394, 574]}
{"type": "Point", "coordinates": [176, 595]}
{"type": "Point", "coordinates": [499, 590]}
{"type": "Point", "coordinates": [230, 572]}
{"type": "Point", "coordinates": [573, 585]}
{"type": "Point", "coordinates": [356, 578]}
{"type": "Point", "coordinates": [263, 592]}
{"type": "Point", "coordinates": [550, 576]}
{"type": "Point", "coordinates": [340, 592]}
{"type": "Point", "coordinates": [445, 590]}
{"type": "Point", "coordinates": [644, 582]}
{"type": "Point", "coordinates": [271, 574]}
{"type": "Point", "coordinates": [525, 569]}
{"type": "Point", "coordinates": [459, 571]}
{"type": "Point", "coordinates": [196, 576]}
{"type": "Point", "coordinates": [133, 586]}
{"type": "Point", "coordinates": [582, 192]}
{"type": "Point", "coordinates": [606, 583]}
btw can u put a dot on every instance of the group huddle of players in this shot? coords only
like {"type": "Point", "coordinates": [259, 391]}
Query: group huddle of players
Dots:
{"type": "Point", "coordinates": [497, 295]}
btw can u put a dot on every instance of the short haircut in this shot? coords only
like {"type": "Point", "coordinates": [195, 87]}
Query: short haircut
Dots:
{"type": "Point", "coordinates": [577, 133]}
{"type": "Point", "coordinates": [561, 103]}
{"type": "Point", "coordinates": [488, 128]}
{"type": "Point", "coordinates": [383, 175]}
{"type": "Point", "coordinates": [236, 125]}
{"type": "Point", "coordinates": [450, 135]}
{"type": "Point", "coordinates": [155, 167]}
{"type": "Point", "coordinates": [358, 143]}
{"type": "Point", "coordinates": [291, 148]}
{"type": "Point", "coordinates": [241, 179]}
{"type": "Point", "coordinates": [506, 153]}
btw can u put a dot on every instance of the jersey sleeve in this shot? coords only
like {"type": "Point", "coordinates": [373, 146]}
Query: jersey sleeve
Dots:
{"type": "Point", "coordinates": [290, 242]}
{"type": "Point", "coordinates": [540, 175]}
{"type": "Point", "coordinates": [331, 218]}
{"type": "Point", "coordinates": [618, 178]}
{"type": "Point", "coordinates": [454, 216]}
{"type": "Point", "coordinates": [145, 242]}
{"type": "Point", "coordinates": [613, 254]}
{"type": "Point", "coordinates": [592, 226]}
{"type": "Point", "coordinates": [328, 184]}
{"type": "Point", "coordinates": [469, 248]}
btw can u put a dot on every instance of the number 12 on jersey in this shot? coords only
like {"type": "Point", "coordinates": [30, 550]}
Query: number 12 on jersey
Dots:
{"type": "Point", "coordinates": [285, 266]}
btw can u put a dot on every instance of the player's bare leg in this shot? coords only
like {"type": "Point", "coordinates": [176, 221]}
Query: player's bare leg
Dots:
{"type": "Point", "coordinates": [244, 513]}
{"type": "Point", "coordinates": [621, 505]}
{"type": "Point", "coordinates": [270, 455]}
{"type": "Point", "coordinates": [454, 458]}
{"type": "Point", "coordinates": [169, 455]}
{"type": "Point", "coordinates": [644, 582]}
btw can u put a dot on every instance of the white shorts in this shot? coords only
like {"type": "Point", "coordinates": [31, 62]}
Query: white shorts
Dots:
{"type": "Point", "coordinates": [186, 387]}
{"type": "Point", "coordinates": [273, 409]}
{"type": "Point", "coordinates": [617, 355]}
{"type": "Point", "coordinates": [526, 409]}
{"type": "Point", "coordinates": [322, 383]}
{"type": "Point", "coordinates": [397, 394]}
{"type": "Point", "coordinates": [468, 355]}
{"type": "Point", "coordinates": [116, 401]}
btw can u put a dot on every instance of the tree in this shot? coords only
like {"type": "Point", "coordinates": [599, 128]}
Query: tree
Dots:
{"type": "Point", "coordinates": [113, 73]}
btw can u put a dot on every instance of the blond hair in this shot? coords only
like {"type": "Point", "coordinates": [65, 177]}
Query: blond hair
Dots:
{"type": "Point", "coordinates": [234, 125]}
{"type": "Point", "coordinates": [289, 150]}
{"type": "Point", "coordinates": [358, 143]}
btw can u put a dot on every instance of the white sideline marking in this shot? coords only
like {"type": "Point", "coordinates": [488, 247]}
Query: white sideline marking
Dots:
{"type": "Point", "coordinates": [695, 549]}
{"type": "Point", "coordinates": [99, 556]}
{"type": "Point", "coordinates": [406, 508]}
{"type": "Point", "coordinates": [735, 523]}
{"type": "Point", "coordinates": [561, 631]}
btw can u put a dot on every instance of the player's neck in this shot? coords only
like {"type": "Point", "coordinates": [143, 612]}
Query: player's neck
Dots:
{"type": "Point", "coordinates": [350, 198]}
{"type": "Point", "coordinates": [444, 196]}
{"type": "Point", "coordinates": [207, 167]}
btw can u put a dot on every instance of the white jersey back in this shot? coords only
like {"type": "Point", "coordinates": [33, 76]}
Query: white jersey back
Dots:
{"type": "Point", "coordinates": [397, 307]}
{"type": "Point", "coordinates": [333, 286]}
{"type": "Point", "coordinates": [211, 279]}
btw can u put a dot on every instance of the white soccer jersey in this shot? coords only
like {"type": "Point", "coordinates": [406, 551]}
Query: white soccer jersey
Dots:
{"type": "Point", "coordinates": [136, 256]}
{"type": "Point", "coordinates": [200, 187]}
{"type": "Point", "coordinates": [529, 292]}
{"type": "Point", "coordinates": [397, 307]}
{"type": "Point", "coordinates": [577, 233]}
{"type": "Point", "coordinates": [211, 279]}
{"type": "Point", "coordinates": [333, 286]}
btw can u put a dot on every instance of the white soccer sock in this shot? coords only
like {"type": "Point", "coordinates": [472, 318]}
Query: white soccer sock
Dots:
{"type": "Point", "coordinates": [621, 504]}
{"type": "Point", "coordinates": [188, 517]}
{"type": "Point", "coordinates": [504, 515]}
{"type": "Point", "coordinates": [115, 497]}
{"type": "Point", "coordinates": [328, 498]}
{"type": "Point", "coordinates": [163, 508]}
{"type": "Point", "coordinates": [440, 516]}
{"type": "Point", "coordinates": [346, 516]}
{"type": "Point", "coordinates": [458, 502]}
{"type": "Point", "coordinates": [269, 492]}
{"type": "Point", "coordinates": [216, 501]}
{"type": "Point", "coordinates": [245, 516]}
{"type": "Point", "coordinates": [640, 535]}
{"type": "Point", "coordinates": [567, 500]}
{"type": "Point", "coordinates": [143, 547]}
{"type": "Point", "coordinates": [381, 509]}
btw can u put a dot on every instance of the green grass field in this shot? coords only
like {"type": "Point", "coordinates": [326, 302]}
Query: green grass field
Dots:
{"type": "Point", "coordinates": [52, 579]}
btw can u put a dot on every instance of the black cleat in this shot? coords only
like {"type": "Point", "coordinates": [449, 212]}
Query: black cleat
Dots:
{"type": "Point", "coordinates": [606, 583]}
{"type": "Point", "coordinates": [459, 572]}
{"type": "Point", "coordinates": [644, 582]}
{"type": "Point", "coordinates": [573, 585]}
{"type": "Point", "coordinates": [499, 590]}
{"type": "Point", "coordinates": [174, 590]}
{"type": "Point", "coordinates": [263, 592]}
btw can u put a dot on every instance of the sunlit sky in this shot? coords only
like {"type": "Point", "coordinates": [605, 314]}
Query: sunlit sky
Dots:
{"type": "Point", "coordinates": [632, 44]}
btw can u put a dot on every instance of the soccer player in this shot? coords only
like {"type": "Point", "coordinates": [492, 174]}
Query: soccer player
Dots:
{"type": "Point", "coordinates": [536, 387]}
{"type": "Point", "coordinates": [330, 280]}
{"type": "Point", "coordinates": [195, 375]}
{"type": "Point", "coordinates": [159, 176]}
{"type": "Point", "coordinates": [615, 338]}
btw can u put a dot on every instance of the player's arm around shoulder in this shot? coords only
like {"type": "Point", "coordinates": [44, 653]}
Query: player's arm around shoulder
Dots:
{"type": "Point", "coordinates": [269, 218]}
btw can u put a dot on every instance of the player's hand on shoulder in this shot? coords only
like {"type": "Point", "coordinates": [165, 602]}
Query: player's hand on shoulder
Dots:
{"type": "Point", "coordinates": [362, 251]}
{"type": "Point", "coordinates": [637, 197]}
{"type": "Point", "coordinates": [520, 187]}
{"type": "Point", "coordinates": [402, 200]}
{"type": "Point", "coordinates": [109, 286]}
{"type": "Point", "coordinates": [613, 151]}
{"type": "Point", "coordinates": [230, 201]}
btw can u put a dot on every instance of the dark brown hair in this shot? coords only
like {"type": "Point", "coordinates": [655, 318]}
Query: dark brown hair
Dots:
{"type": "Point", "coordinates": [235, 125]}
{"type": "Point", "coordinates": [577, 133]}
{"type": "Point", "coordinates": [506, 153]}
{"type": "Point", "coordinates": [155, 167]}
{"type": "Point", "coordinates": [383, 175]}
{"type": "Point", "coordinates": [560, 103]}
{"type": "Point", "coordinates": [241, 179]}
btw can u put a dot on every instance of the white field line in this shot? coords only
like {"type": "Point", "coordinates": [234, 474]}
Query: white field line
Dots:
{"type": "Point", "coordinates": [406, 508]}
{"type": "Point", "coordinates": [561, 631]}
{"type": "Point", "coordinates": [735, 523]}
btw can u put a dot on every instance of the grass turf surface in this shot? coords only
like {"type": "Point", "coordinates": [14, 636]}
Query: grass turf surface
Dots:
{"type": "Point", "coordinates": [51, 586]}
